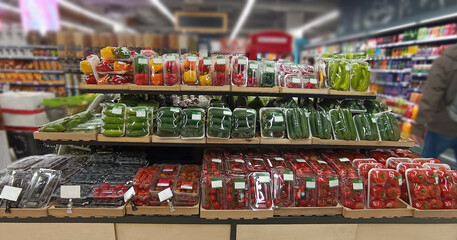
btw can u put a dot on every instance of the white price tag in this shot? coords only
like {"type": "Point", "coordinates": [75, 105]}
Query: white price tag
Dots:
{"type": "Point", "coordinates": [373, 120]}
{"type": "Point", "coordinates": [216, 183]}
{"type": "Point", "coordinates": [436, 180]}
{"type": "Point", "coordinates": [187, 185]}
{"type": "Point", "coordinates": [270, 69]}
{"type": "Point", "coordinates": [310, 183]}
{"type": "Point", "coordinates": [116, 110]}
{"type": "Point", "coordinates": [357, 185]}
{"type": "Point", "coordinates": [369, 67]}
{"type": "Point", "coordinates": [129, 194]}
{"type": "Point", "coordinates": [242, 61]}
{"type": "Point", "coordinates": [10, 193]}
{"type": "Point", "coordinates": [279, 159]}
{"type": "Point", "coordinates": [142, 61]}
{"type": "Point", "coordinates": [279, 118]}
{"type": "Point", "coordinates": [254, 66]}
{"type": "Point", "coordinates": [157, 60]}
{"type": "Point", "coordinates": [228, 113]}
{"type": "Point", "coordinates": [220, 61]}
{"type": "Point", "coordinates": [296, 80]}
{"type": "Point", "coordinates": [344, 159]}
{"type": "Point", "coordinates": [216, 160]}
{"type": "Point", "coordinates": [141, 113]}
{"type": "Point", "coordinates": [165, 194]}
{"type": "Point", "coordinates": [259, 159]}
{"type": "Point", "coordinates": [346, 67]}
{"type": "Point", "coordinates": [239, 160]}
{"type": "Point", "coordinates": [163, 183]}
{"type": "Point", "coordinates": [300, 160]}
{"type": "Point", "coordinates": [240, 184]}
{"type": "Point", "coordinates": [192, 59]}
{"type": "Point", "coordinates": [313, 80]}
{"type": "Point", "coordinates": [321, 162]}
{"type": "Point", "coordinates": [173, 109]}
{"type": "Point", "coordinates": [196, 116]}
{"type": "Point", "coordinates": [171, 58]}
{"type": "Point", "coordinates": [264, 179]}
{"type": "Point", "coordinates": [288, 176]}
{"type": "Point", "coordinates": [333, 182]}
{"type": "Point", "coordinates": [70, 191]}
{"type": "Point", "coordinates": [206, 61]}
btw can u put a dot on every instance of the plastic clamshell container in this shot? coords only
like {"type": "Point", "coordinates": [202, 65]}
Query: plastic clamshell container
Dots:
{"type": "Point", "coordinates": [131, 158]}
{"type": "Point", "coordinates": [213, 196]}
{"type": "Point", "coordinates": [268, 74]}
{"type": "Point", "coordinates": [88, 178]}
{"type": "Point", "coordinates": [343, 124]}
{"type": "Point", "coordinates": [429, 189]}
{"type": "Point", "coordinates": [237, 192]}
{"type": "Point", "coordinates": [169, 121]}
{"type": "Point", "coordinates": [193, 123]}
{"type": "Point", "coordinates": [366, 126]}
{"type": "Point", "coordinates": [84, 201]}
{"type": "Point", "coordinates": [359, 161]}
{"type": "Point", "coordinates": [327, 183]}
{"type": "Point", "coordinates": [205, 66]}
{"type": "Point", "coordinates": [171, 69]}
{"type": "Point", "coordinates": [109, 194]}
{"type": "Point", "coordinates": [425, 160]}
{"type": "Point", "coordinates": [191, 73]}
{"type": "Point", "coordinates": [401, 168]}
{"type": "Point", "coordinates": [253, 79]}
{"type": "Point", "coordinates": [437, 166]}
{"type": "Point", "coordinates": [239, 73]}
{"type": "Point", "coordinates": [169, 170]}
{"type": "Point", "coordinates": [124, 179]}
{"type": "Point", "coordinates": [392, 162]}
{"type": "Point", "coordinates": [388, 126]}
{"type": "Point", "coordinates": [40, 190]}
{"type": "Point", "coordinates": [244, 123]}
{"type": "Point", "coordinates": [159, 184]}
{"type": "Point", "coordinates": [297, 123]}
{"type": "Point", "coordinates": [272, 123]}
{"type": "Point", "coordinates": [156, 68]}
{"type": "Point", "coordinates": [219, 123]}
{"type": "Point", "coordinates": [256, 165]}
{"type": "Point", "coordinates": [138, 121]}
{"type": "Point", "coordinates": [343, 167]}
{"type": "Point", "coordinates": [190, 172]}
{"type": "Point", "coordinates": [275, 162]}
{"type": "Point", "coordinates": [113, 117]}
{"type": "Point", "coordinates": [186, 193]}
{"type": "Point", "coordinates": [141, 68]}
{"type": "Point", "coordinates": [144, 177]}
{"type": "Point", "coordinates": [213, 166]}
{"type": "Point", "coordinates": [384, 188]}
{"type": "Point", "coordinates": [261, 194]}
{"type": "Point", "coordinates": [293, 81]}
{"type": "Point", "coordinates": [352, 192]}
{"type": "Point", "coordinates": [283, 187]}
{"type": "Point", "coordinates": [220, 71]}
{"type": "Point", "coordinates": [19, 179]}
{"type": "Point", "coordinates": [235, 166]}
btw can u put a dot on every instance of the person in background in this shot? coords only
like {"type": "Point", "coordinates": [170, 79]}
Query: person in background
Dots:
{"type": "Point", "coordinates": [433, 120]}
{"type": "Point", "coordinates": [288, 57]}
{"type": "Point", "coordinates": [310, 61]}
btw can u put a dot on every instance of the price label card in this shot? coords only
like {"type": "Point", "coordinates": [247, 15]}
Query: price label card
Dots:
{"type": "Point", "coordinates": [279, 159]}
{"type": "Point", "coordinates": [163, 183]}
{"type": "Point", "coordinates": [321, 162]}
{"type": "Point", "coordinates": [173, 109]}
{"type": "Point", "coordinates": [10, 193]}
{"type": "Point", "coordinates": [141, 113]}
{"type": "Point", "coordinates": [310, 183]}
{"type": "Point", "coordinates": [239, 160]}
{"type": "Point", "coordinates": [142, 61]}
{"type": "Point", "coordinates": [296, 80]}
{"type": "Point", "coordinates": [242, 61]}
{"type": "Point", "coordinates": [220, 61]}
{"type": "Point", "coordinates": [157, 60]}
{"type": "Point", "coordinates": [258, 159]}
{"type": "Point", "coordinates": [171, 58]}
{"type": "Point", "coordinates": [129, 194]}
{"type": "Point", "coordinates": [116, 110]}
{"type": "Point", "coordinates": [313, 80]}
{"type": "Point", "coordinates": [278, 117]}
{"type": "Point", "coordinates": [333, 182]}
{"type": "Point", "coordinates": [187, 185]}
{"type": "Point", "coordinates": [357, 185]}
{"type": "Point", "coordinates": [300, 160]}
{"type": "Point", "coordinates": [216, 183]}
{"type": "Point", "coordinates": [70, 191]}
{"type": "Point", "coordinates": [400, 180]}
{"type": "Point", "coordinates": [165, 194]}
{"type": "Point", "coordinates": [228, 113]}
{"type": "Point", "coordinates": [373, 120]}
{"type": "Point", "coordinates": [192, 59]}
{"type": "Point", "coordinates": [254, 66]}
{"type": "Point", "coordinates": [344, 159]}
{"type": "Point", "coordinates": [168, 169]}
{"type": "Point", "coordinates": [346, 67]}
{"type": "Point", "coordinates": [288, 176]}
{"type": "Point", "coordinates": [240, 184]}
{"type": "Point", "coordinates": [216, 160]}
{"type": "Point", "coordinates": [270, 69]}
{"type": "Point", "coordinates": [206, 61]}
{"type": "Point", "coordinates": [264, 178]}
{"type": "Point", "coordinates": [196, 116]}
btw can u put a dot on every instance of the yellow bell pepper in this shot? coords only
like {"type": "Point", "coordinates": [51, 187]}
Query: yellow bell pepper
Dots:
{"type": "Point", "coordinates": [85, 67]}
{"type": "Point", "coordinates": [190, 76]}
{"type": "Point", "coordinates": [107, 53]}
{"type": "Point", "coordinates": [155, 67]}
{"type": "Point", "coordinates": [205, 80]}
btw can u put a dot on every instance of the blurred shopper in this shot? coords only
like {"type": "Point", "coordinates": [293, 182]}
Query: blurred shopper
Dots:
{"type": "Point", "coordinates": [288, 57]}
{"type": "Point", "coordinates": [310, 61]}
{"type": "Point", "coordinates": [433, 120]}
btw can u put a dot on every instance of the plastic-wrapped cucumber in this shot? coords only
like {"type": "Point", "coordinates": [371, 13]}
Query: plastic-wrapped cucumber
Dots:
{"type": "Point", "coordinates": [193, 123]}
{"type": "Point", "coordinates": [244, 123]}
{"type": "Point", "coordinates": [113, 117]}
{"type": "Point", "coordinates": [297, 123]}
{"type": "Point", "coordinates": [366, 126]}
{"type": "Point", "coordinates": [169, 122]}
{"type": "Point", "coordinates": [272, 123]}
{"type": "Point", "coordinates": [375, 106]}
{"type": "Point", "coordinates": [219, 123]}
{"type": "Point", "coordinates": [343, 124]}
{"type": "Point", "coordinates": [355, 106]}
{"type": "Point", "coordinates": [388, 126]}
{"type": "Point", "coordinates": [138, 121]}
{"type": "Point", "coordinates": [320, 124]}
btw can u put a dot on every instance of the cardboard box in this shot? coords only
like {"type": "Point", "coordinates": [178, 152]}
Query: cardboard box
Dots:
{"type": "Point", "coordinates": [323, 91]}
{"type": "Point", "coordinates": [437, 213]}
{"type": "Point", "coordinates": [404, 211]}
{"type": "Point", "coordinates": [135, 87]}
{"type": "Point", "coordinates": [145, 139]}
{"type": "Point", "coordinates": [255, 89]}
{"type": "Point", "coordinates": [233, 141]}
{"type": "Point", "coordinates": [197, 88]}
{"type": "Point", "coordinates": [308, 211]}
{"type": "Point", "coordinates": [162, 210]}
{"type": "Point", "coordinates": [235, 214]}
{"type": "Point", "coordinates": [65, 136]}
{"type": "Point", "coordinates": [25, 212]}
{"type": "Point", "coordinates": [156, 139]}
{"type": "Point", "coordinates": [87, 212]}
{"type": "Point", "coordinates": [286, 141]}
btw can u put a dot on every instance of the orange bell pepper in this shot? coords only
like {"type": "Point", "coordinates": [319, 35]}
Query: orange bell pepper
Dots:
{"type": "Point", "coordinates": [157, 79]}
{"type": "Point", "coordinates": [103, 80]}
{"type": "Point", "coordinates": [121, 66]}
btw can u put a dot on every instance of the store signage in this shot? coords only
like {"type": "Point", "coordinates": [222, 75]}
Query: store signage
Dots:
{"type": "Point", "coordinates": [201, 22]}
{"type": "Point", "coordinates": [39, 15]}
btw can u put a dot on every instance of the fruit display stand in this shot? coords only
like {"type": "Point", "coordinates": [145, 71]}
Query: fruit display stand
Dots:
{"type": "Point", "coordinates": [67, 136]}
{"type": "Point", "coordinates": [155, 139]}
{"type": "Point", "coordinates": [285, 141]}
{"type": "Point", "coordinates": [352, 93]}
{"type": "Point", "coordinates": [135, 87]}
{"type": "Point", "coordinates": [437, 213]}
{"type": "Point", "coordinates": [84, 86]}
{"type": "Point", "coordinates": [233, 141]}
{"type": "Point", "coordinates": [162, 210]}
{"type": "Point", "coordinates": [102, 138]}
{"type": "Point", "coordinates": [308, 211]}
{"type": "Point", "coordinates": [404, 211]}
{"type": "Point", "coordinates": [235, 214]}
{"type": "Point", "coordinates": [237, 89]}
{"type": "Point", "coordinates": [87, 212]}
{"type": "Point", "coordinates": [304, 91]}
{"type": "Point", "coordinates": [225, 88]}
{"type": "Point", "coordinates": [24, 213]}
{"type": "Point", "coordinates": [402, 143]}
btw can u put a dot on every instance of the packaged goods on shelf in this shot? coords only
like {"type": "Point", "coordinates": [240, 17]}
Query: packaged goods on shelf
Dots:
{"type": "Point", "coordinates": [219, 122]}
{"type": "Point", "coordinates": [239, 70]}
{"type": "Point", "coordinates": [191, 72]}
{"type": "Point", "coordinates": [339, 75]}
{"type": "Point", "coordinates": [375, 106]}
{"type": "Point", "coordinates": [383, 188]}
{"type": "Point", "coordinates": [366, 127]}
{"type": "Point", "coordinates": [401, 168]}
{"type": "Point", "coordinates": [253, 74]}
{"type": "Point", "coordinates": [205, 66]}
{"type": "Point", "coordinates": [283, 187]}
{"type": "Point", "coordinates": [393, 162]}
{"type": "Point", "coordinates": [68, 123]}
{"type": "Point", "coordinates": [364, 169]}
{"type": "Point", "coordinates": [156, 68]}
{"type": "Point", "coordinates": [297, 123]}
{"type": "Point", "coordinates": [237, 191]}
{"type": "Point", "coordinates": [437, 166]}
{"type": "Point", "coordinates": [220, 71]}
{"type": "Point", "coordinates": [320, 124]}
{"type": "Point", "coordinates": [261, 193]}
{"type": "Point", "coordinates": [421, 161]}
{"type": "Point", "coordinates": [138, 121]}
{"type": "Point", "coordinates": [159, 184]}
{"type": "Point", "coordinates": [109, 195]}
{"type": "Point", "coordinates": [141, 70]}
{"type": "Point", "coordinates": [388, 126]}
{"type": "Point", "coordinates": [193, 123]}
{"type": "Point", "coordinates": [343, 124]}
{"type": "Point", "coordinates": [113, 116]}
{"type": "Point", "coordinates": [327, 182]}
{"type": "Point", "coordinates": [272, 123]}
{"type": "Point", "coordinates": [88, 67]}
{"type": "Point", "coordinates": [305, 191]}
{"type": "Point", "coordinates": [169, 122]}
{"type": "Point", "coordinates": [213, 196]}
{"type": "Point", "coordinates": [355, 106]}
{"type": "Point", "coordinates": [358, 161]}
{"type": "Point", "coordinates": [268, 74]}
{"type": "Point", "coordinates": [38, 193]}
{"type": "Point", "coordinates": [172, 70]}
{"type": "Point", "coordinates": [244, 123]}
{"type": "Point", "coordinates": [360, 76]}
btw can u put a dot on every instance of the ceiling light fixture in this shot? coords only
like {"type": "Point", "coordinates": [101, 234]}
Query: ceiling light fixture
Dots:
{"type": "Point", "coordinates": [452, 15]}
{"type": "Point", "coordinates": [298, 32]}
{"type": "Point", "coordinates": [246, 10]}
{"type": "Point", "coordinates": [89, 14]}
{"type": "Point", "coordinates": [394, 28]}
{"type": "Point", "coordinates": [163, 9]}
{"type": "Point", "coordinates": [62, 22]}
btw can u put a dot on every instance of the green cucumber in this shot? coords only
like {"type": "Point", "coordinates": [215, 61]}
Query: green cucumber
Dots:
{"type": "Point", "coordinates": [116, 120]}
{"type": "Point", "coordinates": [112, 133]}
